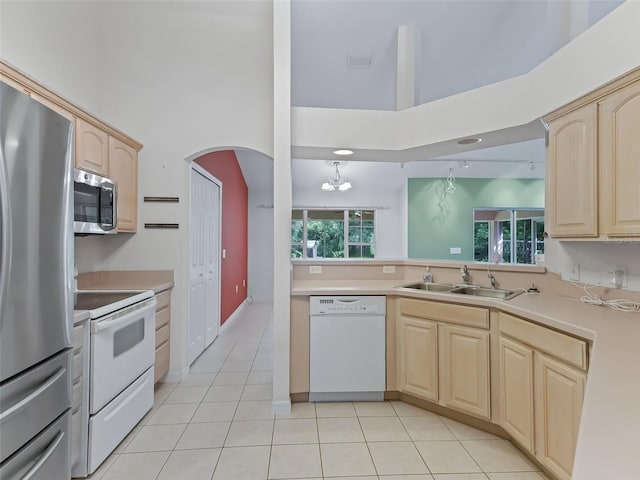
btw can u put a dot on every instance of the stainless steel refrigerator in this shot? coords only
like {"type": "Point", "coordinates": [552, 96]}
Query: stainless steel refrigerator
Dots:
{"type": "Point", "coordinates": [36, 289]}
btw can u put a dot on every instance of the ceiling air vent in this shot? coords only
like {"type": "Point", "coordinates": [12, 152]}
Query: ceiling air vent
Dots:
{"type": "Point", "coordinates": [359, 61]}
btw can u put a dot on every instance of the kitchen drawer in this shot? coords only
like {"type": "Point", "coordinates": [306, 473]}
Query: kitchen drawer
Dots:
{"type": "Point", "coordinates": [45, 457]}
{"type": "Point", "coordinates": [163, 300]}
{"type": "Point", "coordinates": [445, 312]}
{"type": "Point", "coordinates": [162, 335]}
{"type": "Point", "coordinates": [162, 317]}
{"type": "Point", "coordinates": [570, 349]}
{"type": "Point", "coordinates": [162, 361]}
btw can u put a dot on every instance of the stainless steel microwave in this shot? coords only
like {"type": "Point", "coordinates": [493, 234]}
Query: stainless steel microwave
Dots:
{"type": "Point", "coordinates": [94, 204]}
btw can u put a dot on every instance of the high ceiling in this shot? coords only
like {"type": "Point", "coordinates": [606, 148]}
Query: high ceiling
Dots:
{"type": "Point", "coordinates": [459, 45]}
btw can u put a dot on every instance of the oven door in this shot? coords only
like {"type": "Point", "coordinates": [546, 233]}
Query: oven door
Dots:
{"type": "Point", "coordinates": [94, 203]}
{"type": "Point", "coordinates": [122, 348]}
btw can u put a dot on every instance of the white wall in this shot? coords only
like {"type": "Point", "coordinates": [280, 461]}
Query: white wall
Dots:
{"type": "Point", "coordinates": [180, 77]}
{"type": "Point", "coordinates": [261, 244]}
{"type": "Point", "coordinates": [56, 43]}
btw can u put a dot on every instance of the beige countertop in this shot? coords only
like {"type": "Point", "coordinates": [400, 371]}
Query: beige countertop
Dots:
{"type": "Point", "coordinates": [155, 280]}
{"type": "Point", "coordinates": [608, 442]}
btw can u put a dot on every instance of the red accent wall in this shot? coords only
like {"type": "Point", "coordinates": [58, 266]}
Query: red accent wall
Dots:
{"type": "Point", "coordinates": [235, 198]}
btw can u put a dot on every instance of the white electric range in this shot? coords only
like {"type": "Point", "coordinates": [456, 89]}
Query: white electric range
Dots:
{"type": "Point", "coordinates": [120, 372]}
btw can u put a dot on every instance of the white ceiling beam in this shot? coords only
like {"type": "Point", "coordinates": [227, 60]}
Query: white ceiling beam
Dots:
{"type": "Point", "coordinates": [405, 67]}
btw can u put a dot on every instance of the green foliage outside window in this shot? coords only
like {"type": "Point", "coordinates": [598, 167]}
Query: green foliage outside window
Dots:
{"type": "Point", "coordinates": [325, 234]}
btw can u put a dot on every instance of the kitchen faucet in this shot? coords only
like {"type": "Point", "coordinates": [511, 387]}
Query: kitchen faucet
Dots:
{"type": "Point", "coordinates": [465, 274]}
{"type": "Point", "coordinates": [494, 284]}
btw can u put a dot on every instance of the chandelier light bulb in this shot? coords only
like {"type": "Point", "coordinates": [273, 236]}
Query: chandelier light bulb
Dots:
{"type": "Point", "coordinates": [337, 182]}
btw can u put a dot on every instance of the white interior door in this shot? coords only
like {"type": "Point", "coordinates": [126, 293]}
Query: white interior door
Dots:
{"type": "Point", "coordinates": [204, 284]}
{"type": "Point", "coordinates": [212, 262]}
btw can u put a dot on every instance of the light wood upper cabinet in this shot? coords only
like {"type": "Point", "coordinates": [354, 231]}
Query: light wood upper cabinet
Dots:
{"type": "Point", "coordinates": [619, 116]}
{"type": "Point", "coordinates": [516, 391]}
{"type": "Point", "coordinates": [92, 148]}
{"type": "Point", "coordinates": [593, 165]}
{"type": "Point", "coordinates": [571, 175]}
{"type": "Point", "coordinates": [558, 406]}
{"type": "Point", "coordinates": [123, 170]}
{"type": "Point", "coordinates": [417, 357]}
{"type": "Point", "coordinates": [464, 369]}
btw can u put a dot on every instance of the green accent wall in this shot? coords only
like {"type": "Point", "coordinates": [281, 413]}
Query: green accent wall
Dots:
{"type": "Point", "coordinates": [438, 221]}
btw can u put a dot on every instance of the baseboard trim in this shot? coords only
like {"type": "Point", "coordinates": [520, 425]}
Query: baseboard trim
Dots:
{"type": "Point", "coordinates": [263, 299]}
{"type": "Point", "coordinates": [175, 377]}
{"type": "Point", "coordinates": [233, 317]}
{"type": "Point", "coordinates": [281, 407]}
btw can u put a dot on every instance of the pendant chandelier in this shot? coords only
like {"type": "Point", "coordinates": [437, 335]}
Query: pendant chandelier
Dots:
{"type": "Point", "coordinates": [337, 182]}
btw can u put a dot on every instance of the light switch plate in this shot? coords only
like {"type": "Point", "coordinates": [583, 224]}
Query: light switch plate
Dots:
{"type": "Point", "coordinates": [455, 251]}
{"type": "Point", "coordinates": [388, 269]}
{"type": "Point", "coordinates": [315, 268]}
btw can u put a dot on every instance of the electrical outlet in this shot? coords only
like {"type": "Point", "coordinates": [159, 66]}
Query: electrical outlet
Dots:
{"type": "Point", "coordinates": [388, 269]}
{"type": "Point", "coordinates": [315, 269]}
{"type": "Point", "coordinates": [574, 272]}
{"type": "Point", "coordinates": [619, 279]}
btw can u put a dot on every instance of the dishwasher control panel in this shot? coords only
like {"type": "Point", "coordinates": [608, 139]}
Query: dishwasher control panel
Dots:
{"type": "Point", "coordinates": [352, 305]}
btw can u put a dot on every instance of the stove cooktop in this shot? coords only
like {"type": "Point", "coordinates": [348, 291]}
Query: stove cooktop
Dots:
{"type": "Point", "coordinates": [102, 302]}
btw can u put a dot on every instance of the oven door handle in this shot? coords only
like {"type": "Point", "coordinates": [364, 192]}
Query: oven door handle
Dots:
{"type": "Point", "coordinates": [103, 325]}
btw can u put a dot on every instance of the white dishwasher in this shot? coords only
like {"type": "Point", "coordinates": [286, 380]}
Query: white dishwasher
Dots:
{"type": "Point", "coordinates": [347, 352]}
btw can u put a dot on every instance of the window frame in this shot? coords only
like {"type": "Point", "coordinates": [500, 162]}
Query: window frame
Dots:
{"type": "Point", "coordinates": [304, 247]}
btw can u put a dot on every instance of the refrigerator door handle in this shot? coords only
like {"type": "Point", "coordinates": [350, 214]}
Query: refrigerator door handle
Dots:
{"type": "Point", "coordinates": [44, 457]}
{"type": "Point", "coordinates": [5, 233]}
{"type": "Point", "coordinates": [29, 398]}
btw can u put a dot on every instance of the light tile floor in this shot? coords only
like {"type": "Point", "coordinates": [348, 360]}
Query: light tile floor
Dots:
{"type": "Point", "coordinates": [217, 425]}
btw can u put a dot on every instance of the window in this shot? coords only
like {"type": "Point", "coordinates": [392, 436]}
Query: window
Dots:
{"type": "Point", "coordinates": [507, 235]}
{"type": "Point", "coordinates": [332, 233]}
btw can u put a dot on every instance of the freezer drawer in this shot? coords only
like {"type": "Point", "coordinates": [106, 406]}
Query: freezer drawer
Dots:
{"type": "Point", "coordinates": [46, 457]}
{"type": "Point", "coordinates": [110, 425]}
{"type": "Point", "coordinates": [32, 401]}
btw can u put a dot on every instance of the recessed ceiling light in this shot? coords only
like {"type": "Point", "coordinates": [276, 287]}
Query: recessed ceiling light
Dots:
{"type": "Point", "coordinates": [343, 152]}
{"type": "Point", "coordinates": [469, 141]}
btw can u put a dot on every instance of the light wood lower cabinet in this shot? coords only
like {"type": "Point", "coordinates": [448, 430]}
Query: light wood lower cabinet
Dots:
{"type": "Point", "coordinates": [441, 361]}
{"type": "Point", "coordinates": [163, 329]}
{"type": "Point", "coordinates": [558, 406]}
{"type": "Point", "coordinates": [542, 382]}
{"type": "Point", "coordinates": [417, 357]}
{"type": "Point", "coordinates": [464, 369]}
{"type": "Point", "coordinates": [516, 391]}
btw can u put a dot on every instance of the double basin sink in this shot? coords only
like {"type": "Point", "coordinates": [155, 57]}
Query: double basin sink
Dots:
{"type": "Point", "coordinates": [477, 291]}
